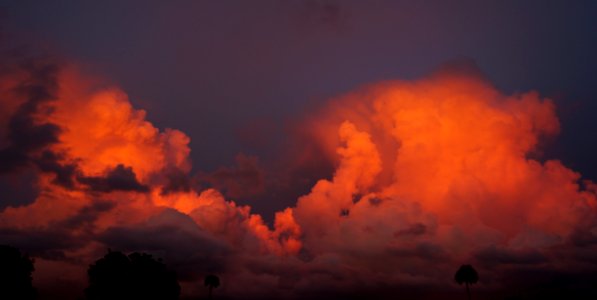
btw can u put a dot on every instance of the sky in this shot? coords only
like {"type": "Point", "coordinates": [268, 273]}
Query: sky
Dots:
{"type": "Point", "coordinates": [309, 148]}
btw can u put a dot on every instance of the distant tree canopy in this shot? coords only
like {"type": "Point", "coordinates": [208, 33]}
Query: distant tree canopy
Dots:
{"type": "Point", "coordinates": [136, 276]}
{"type": "Point", "coordinates": [211, 281]}
{"type": "Point", "coordinates": [15, 274]}
{"type": "Point", "coordinates": [468, 275]}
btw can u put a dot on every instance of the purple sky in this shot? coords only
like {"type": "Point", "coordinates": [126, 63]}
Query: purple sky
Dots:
{"type": "Point", "coordinates": [233, 75]}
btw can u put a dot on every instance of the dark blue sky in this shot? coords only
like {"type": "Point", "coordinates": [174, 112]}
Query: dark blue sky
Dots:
{"type": "Point", "coordinates": [215, 69]}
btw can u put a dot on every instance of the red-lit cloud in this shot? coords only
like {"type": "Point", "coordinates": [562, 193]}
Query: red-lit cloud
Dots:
{"type": "Point", "coordinates": [429, 174]}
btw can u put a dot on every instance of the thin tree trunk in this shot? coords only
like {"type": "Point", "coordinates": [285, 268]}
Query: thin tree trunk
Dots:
{"type": "Point", "coordinates": [468, 292]}
{"type": "Point", "coordinates": [211, 287]}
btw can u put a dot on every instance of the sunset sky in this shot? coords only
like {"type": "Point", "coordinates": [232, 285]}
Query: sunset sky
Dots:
{"type": "Point", "coordinates": [304, 149]}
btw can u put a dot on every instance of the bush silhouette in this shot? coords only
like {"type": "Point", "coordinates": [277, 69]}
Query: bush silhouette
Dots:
{"type": "Point", "coordinates": [15, 275]}
{"type": "Point", "coordinates": [137, 276]}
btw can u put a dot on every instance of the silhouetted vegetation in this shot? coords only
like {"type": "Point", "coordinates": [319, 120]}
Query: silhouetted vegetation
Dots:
{"type": "Point", "coordinates": [136, 276]}
{"type": "Point", "coordinates": [212, 281]}
{"type": "Point", "coordinates": [15, 275]}
{"type": "Point", "coordinates": [467, 275]}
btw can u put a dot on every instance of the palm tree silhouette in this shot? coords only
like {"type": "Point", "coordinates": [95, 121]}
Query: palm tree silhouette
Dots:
{"type": "Point", "coordinates": [212, 281]}
{"type": "Point", "coordinates": [467, 275]}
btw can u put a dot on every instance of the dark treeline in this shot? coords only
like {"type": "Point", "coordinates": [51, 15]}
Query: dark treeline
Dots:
{"type": "Point", "coordinates": [116, 276]}
{"type": "Point", "coordinates": [136, 276]}
{"type": "Point", "coordinates": [15, 275]}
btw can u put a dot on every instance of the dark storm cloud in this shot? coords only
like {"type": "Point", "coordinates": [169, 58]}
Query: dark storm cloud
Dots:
{"type": "Point", "coordinates": [246, 179]}
{"type": "Point", "coordinates": [51, 242]}
{"type": "Point", "coordinates": [292, 172]}
{"type": "Point", "coordinates": [494, 255]}
{"type": "Point", "coordinates": [51, 162]}
{"type": "Point", "coordinates": [412, 230]}
{"type": "Point", "coordinates": [18, 188]}
{"type": "Point", "coordinates": [48, 243]}
{"type": "Point", "coordinates": [25, 143]}
{"type": "Point", "coordinates": [186, 247]}
{"type": "Point", "coordinates": [176, 181]}
{"type": "Point", "coordinates": [583, 237]}
{"type": "Point", "coordinates": [423, 250]}
{"type": "Point", "coordinates": [120, 178]}
{"type": "Point", "coordinates": [87, 215]}
{"type": "Point", "coordinates": [25, 136]}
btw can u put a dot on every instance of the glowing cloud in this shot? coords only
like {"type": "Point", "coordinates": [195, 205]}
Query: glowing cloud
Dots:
{"type": "Point", "coordinates": [429, 173]}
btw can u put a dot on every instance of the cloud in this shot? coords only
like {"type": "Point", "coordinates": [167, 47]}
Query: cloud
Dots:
{"type": "Point", "coordinates": [493, 255]}
{"type": "Point", "coordinates": [244, 180]}
{"type": "Point", "coordinates": [64, 173]}
{"type": "Point", "coordinates": [48, 243]}
{"type": "Point", "coordinates": [18, 188]}
{"type": "Point", "coordinates": [120, 178]}
{"type": "Point", "coordinates": [187, 248]}
{"type": "Point", "coordinates": [176, 181]}
{"type": "Point", "coordinates": [426, 175]}
{"type": "Point", "coordinates": [26, 140]}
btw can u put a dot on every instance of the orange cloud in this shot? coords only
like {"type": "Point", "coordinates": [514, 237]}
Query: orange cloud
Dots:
{"type": "Point", "coordinates": [429, 173]}
{"type": "Point", "coordinates": [460, 149]}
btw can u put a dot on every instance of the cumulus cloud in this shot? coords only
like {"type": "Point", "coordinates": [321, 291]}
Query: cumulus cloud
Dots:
{"type": "Point", "coordinates": [456, 181]}
{"type": "Point", "coordinates": [428, 174]}
{"type": "Point", "coordinates": [108, 178]}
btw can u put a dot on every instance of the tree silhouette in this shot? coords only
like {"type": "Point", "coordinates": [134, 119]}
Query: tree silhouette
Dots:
{"type": "Point", "coordinates": [137, 276]}
{"type": "Point", "coordinates": [467, 275]}
{"type": "Point", "coordinates": [15, 274]}
{"type": "Point", "coordinates": [212, 281]}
